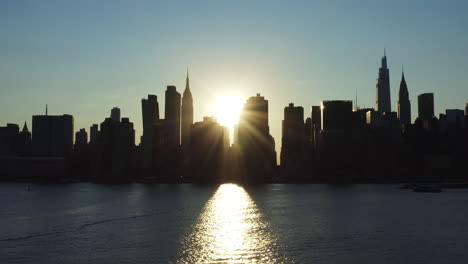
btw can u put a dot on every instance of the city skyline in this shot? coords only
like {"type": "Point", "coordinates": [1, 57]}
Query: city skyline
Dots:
{"type": "Point", "coordinates": [75, 69]}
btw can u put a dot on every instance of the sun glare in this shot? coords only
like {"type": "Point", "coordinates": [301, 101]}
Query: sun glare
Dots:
{"type": "Point", "coordinates": [227, 108]}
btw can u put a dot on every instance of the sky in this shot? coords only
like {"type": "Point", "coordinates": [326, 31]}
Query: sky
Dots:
{"type": "Point", "coordinates": [85, 57]}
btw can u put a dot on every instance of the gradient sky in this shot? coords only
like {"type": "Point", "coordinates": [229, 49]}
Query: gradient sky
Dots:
{"type": "Point", "coordinates": [85, 57]}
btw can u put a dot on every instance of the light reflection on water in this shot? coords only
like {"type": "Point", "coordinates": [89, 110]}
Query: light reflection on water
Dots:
{"type": "Point", "coordinates": [230, 230]}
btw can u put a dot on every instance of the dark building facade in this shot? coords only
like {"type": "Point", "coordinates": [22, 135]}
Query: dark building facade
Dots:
{"type": "Point", "coordinates": [8, 137]}
{"type": "Point", "coordinates": [52, 135]}
{"type": "Point", "coordinates": [426, 106]}
{"type": "Point", "coordinates": [208, 152]}
{"type": "Point", "coordinates": [293, 143]}
{"type": "Point", "coordinates": [336, 115]}
{"type": "Point", "coordinates": [316, 116]}
{"type": "Point", "coordinates": [257, 156]}
{"type": "Point", "coordinates": [94, 134]}
{"type": "Point", "coordinates": [172, 115]}
{"type": "Point", "coordinates": [149, 139]}
{"type": "Point", "coordinates": [81, 138]}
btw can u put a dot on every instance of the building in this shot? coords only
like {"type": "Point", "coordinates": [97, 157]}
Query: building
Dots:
{"type": "Point", "coordinates": [187, 114]}
{"type": "Point", "coordinates": [455, 118]}
{"type": "Point", "coordinates": [404, 105]}
{"type": "Point", "coordinates": [292, 142]}
{"type": "Point", "coordinates": [316, 115]}
{"type": "Point", "coordinates": [334, 146]}
{"type": "Point", "coordinates": [383, 87]}
{"type": "Point", "coordinates": [94, 134]}
{"type": "Point", "coordinates": [8, 137]}
{"type": "Point", "coordinates": [115, 150]}
{"type": "Point", "coordinates": [81, 138]}
{"type": "Point", "coordinates": [208, 151]}
{"type": "Point", "coordinates": [426, 106]}
{"type": "Point", "coordinates": [336, 115]}
{"type": "Point", "coordinates": [172, 116]}
{"type": "Point", "coordinates": [115, 114]}
{"type": "Point", "coordinates": [52, 135]}
{"type": "Point", "coordinates": [255, 144]}
{"type": "Point", "coordinates": [150, 115]}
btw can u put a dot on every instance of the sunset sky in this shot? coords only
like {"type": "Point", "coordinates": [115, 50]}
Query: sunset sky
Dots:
{"type": "Point", "coordinates": [85, 57]}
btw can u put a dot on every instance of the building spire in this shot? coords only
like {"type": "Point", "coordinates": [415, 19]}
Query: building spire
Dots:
{"type": "Point", "coordinates": [25, 128]}
{"type": "Point", "coordinates": [187, 82]}
{"type": "Point", "coordinates": [46, 110]}
{"type": "Point", "coordinates": [356, 106]}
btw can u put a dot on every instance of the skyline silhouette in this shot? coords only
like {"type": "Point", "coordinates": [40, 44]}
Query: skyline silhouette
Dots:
{"type": "Point", "coordinates": [319, 51]}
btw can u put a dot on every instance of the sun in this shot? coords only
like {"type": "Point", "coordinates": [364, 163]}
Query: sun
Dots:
{"type": "Point", "coordinates": [227, 108]}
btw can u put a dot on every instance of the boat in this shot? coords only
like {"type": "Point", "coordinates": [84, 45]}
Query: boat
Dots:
{"type": "Point", "coordinates": [427, 188]}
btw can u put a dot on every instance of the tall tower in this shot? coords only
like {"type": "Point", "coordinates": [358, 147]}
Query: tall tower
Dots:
{"type": "Point", "coordinates": [115, 114]}
{"type": "Point", "coordinates": [172, 115]}
{"type": "Point", "coordinates": [404, 105]}
{"type": "Point", "coordinates": [383, 87]}
{"type": "Point", "coordinates": [187, 113]}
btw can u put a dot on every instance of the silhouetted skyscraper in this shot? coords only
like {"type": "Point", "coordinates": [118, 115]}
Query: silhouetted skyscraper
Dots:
{"type": "Point", "coordinates": [336, 115]}
{"type": "Point", "coordinates": [116, 145]}
{"type": "Point", "coordinates": [52, 135]}
{"type": "Point", "coordinates": [172, 115]}
{"type": "Point", "coordinates": [208, 150]}
{"type": "Point", "coordinates": [94, 134]}
{"type": "Point", "coordinates": [187, 114]}
{"type": "Point", "coordinates": [316, 124]}
{"type": "Point", "coordinates": [8, 137]}
{"type": "Point", "coordinates": [150, 113]}
{"type": "Point", "coordinates": [256, 145]}
{"type": "Point", "coordinates": [149, 140]}
{"type": "Point", "coordinates": [115, 114]}
{"type": "Point", "coordinates": [24, 141]}
{"type": "Point", "coordinates": [383, 87]}
{"type": "Point", "coordinates": [81, 137]}
{"type": "Point", "coordinates": [404, 105]}
{"type": "Point", "coordinates": [426, 106]}
{"type": "Point", "coordinates": [292, 142]}
{"type": "Point", "coordinates": [455, 118]}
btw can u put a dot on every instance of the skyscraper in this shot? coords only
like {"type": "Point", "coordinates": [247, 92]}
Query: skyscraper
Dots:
{"type": "Point", "coordinates": [52, 135]}
{"type": "Point", "coordinates": [256, 145]}
{"type": "Point", "coordinates": [81, 138]}
{"type": "Point", "coordinates": [208, 151]}
{"type": "Point", "coordinates": [115, 114]}
{"type": "Point", "coordinates": [150, 112]}
{"type": "Point", "coordinates": [172, 115]}
{"type": "Point", "coordinates": [292, 142]}
{"type": "Point", "coordinates": [426, 106]}
{"type": "Point", "coordinates": [316, 116]}
{"type": "Point", "coordinates": [336, 115]}
{"type": "Point", "coordinates": [404, 105]}
{"type": "Point", "coordinates": [94, 134]}
{"type": "Point", "coordinates": [187, 114]}
{"type": "Point", "coordinates": [383, 88]}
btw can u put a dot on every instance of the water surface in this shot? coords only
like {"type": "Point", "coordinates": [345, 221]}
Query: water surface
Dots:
{"type": "Point", "coordinates": [89, 223]}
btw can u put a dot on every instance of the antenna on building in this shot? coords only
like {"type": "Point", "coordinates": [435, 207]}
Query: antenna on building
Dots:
{"type": "Point", "coordinates": [356, 106]}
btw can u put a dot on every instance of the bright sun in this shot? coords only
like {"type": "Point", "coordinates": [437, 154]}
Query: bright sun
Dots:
{"type": "Point", "coordinates": [227, 108]}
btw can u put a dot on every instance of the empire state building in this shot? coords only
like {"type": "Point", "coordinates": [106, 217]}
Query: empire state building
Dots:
{"type": "Point", "coordinates": [383, 88]}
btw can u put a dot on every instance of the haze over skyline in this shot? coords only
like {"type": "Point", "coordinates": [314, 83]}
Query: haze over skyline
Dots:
{"type": "Point", "coordinates": [83, 58]}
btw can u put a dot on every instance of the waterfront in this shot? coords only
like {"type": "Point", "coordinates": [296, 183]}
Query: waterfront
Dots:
{"type": "Point", "coordinates": [136, 223]}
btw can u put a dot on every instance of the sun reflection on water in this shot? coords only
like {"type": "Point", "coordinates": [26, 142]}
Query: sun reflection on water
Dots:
{"type": "Point", "coordinates": [230, 230]}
